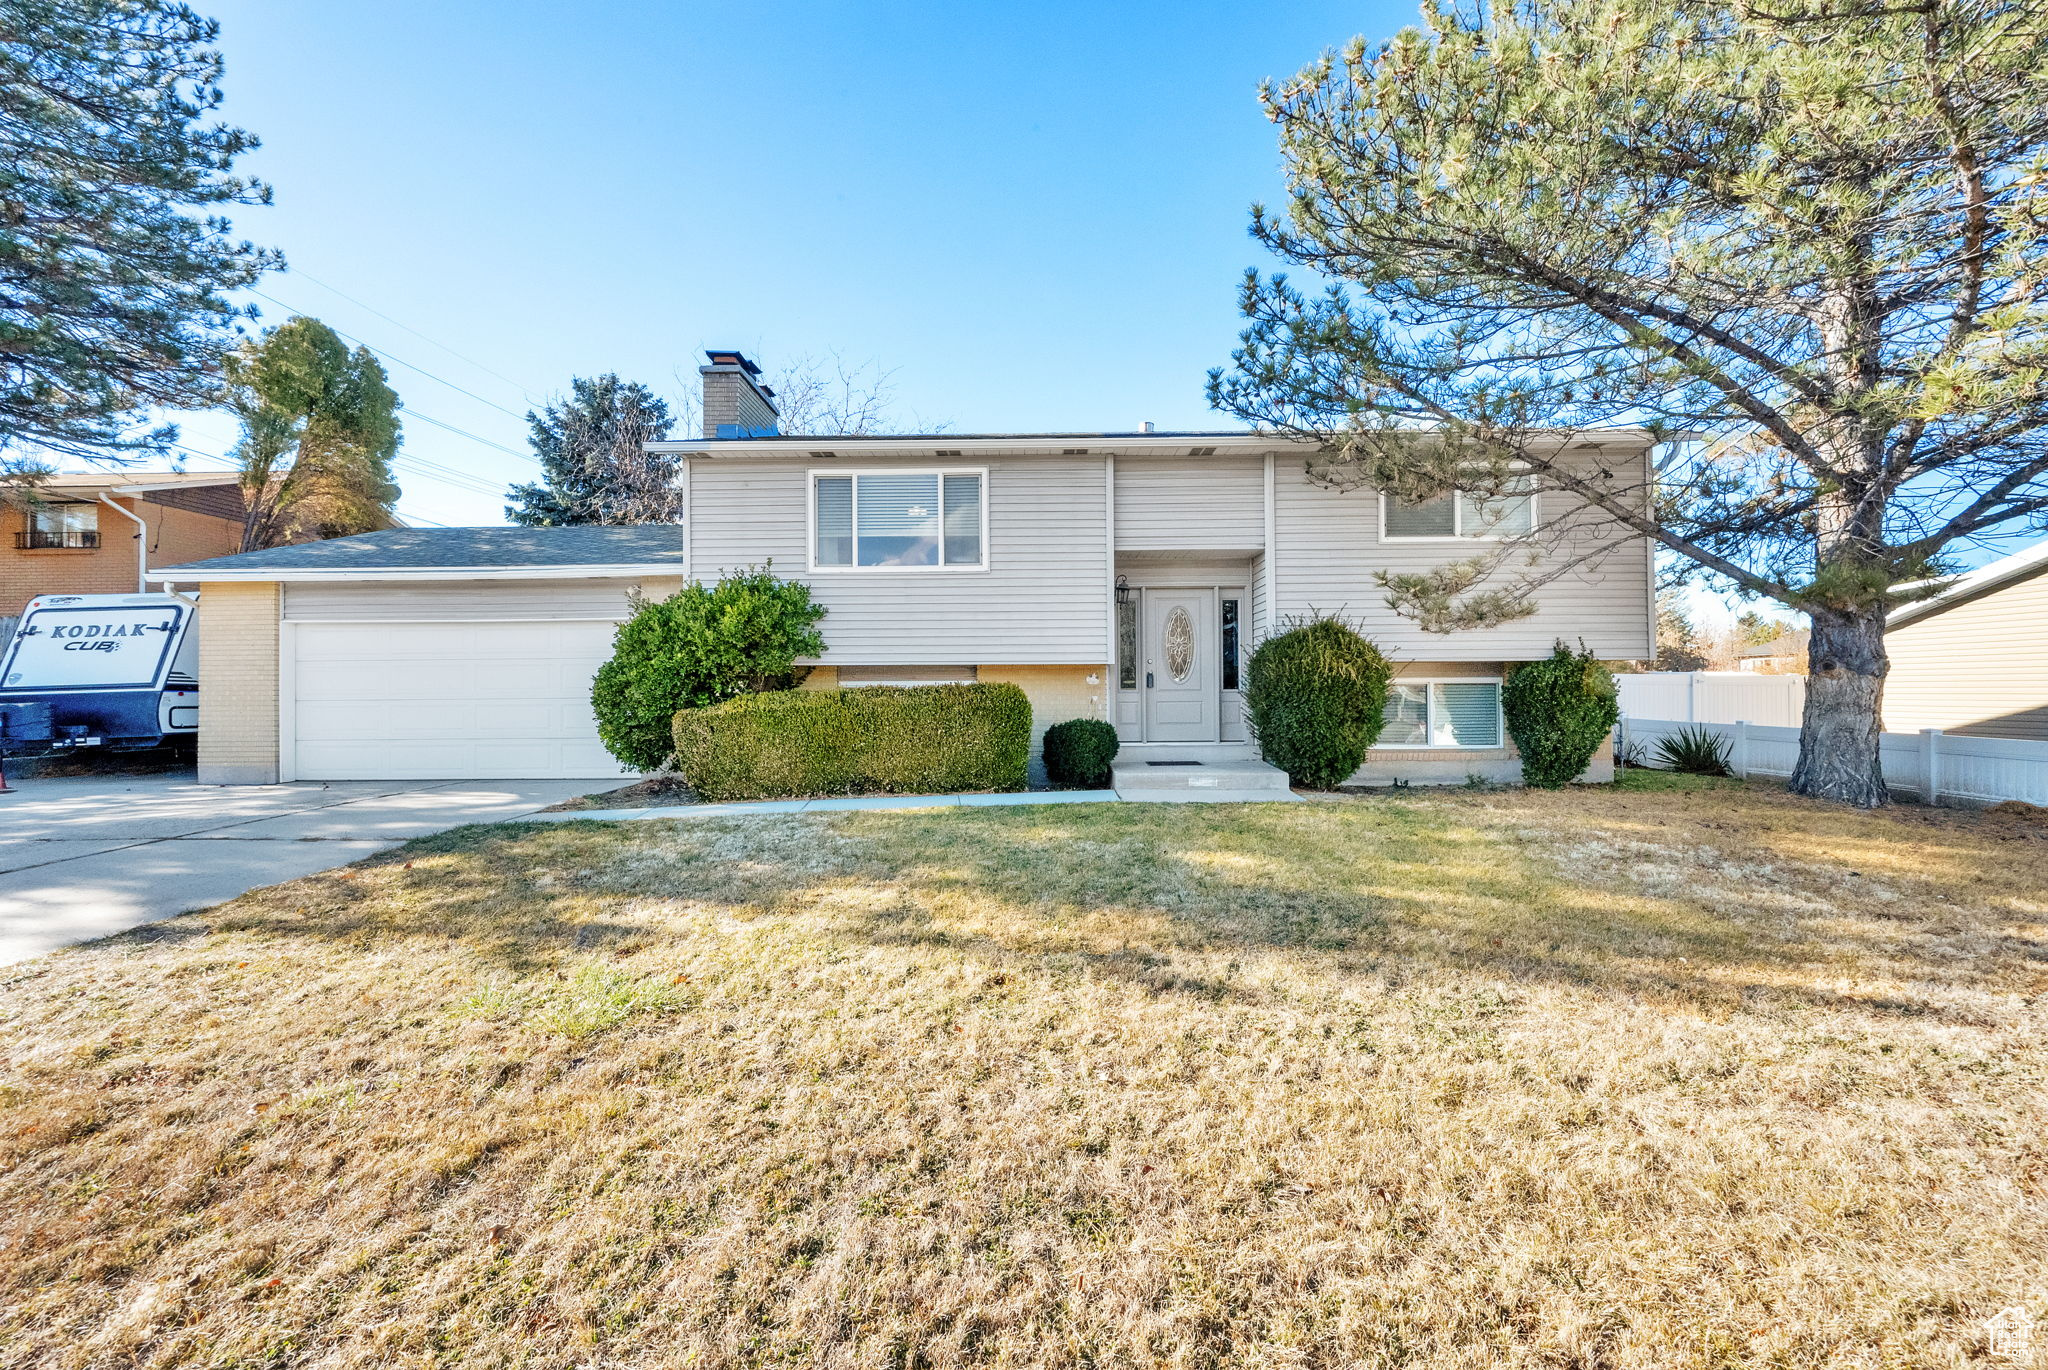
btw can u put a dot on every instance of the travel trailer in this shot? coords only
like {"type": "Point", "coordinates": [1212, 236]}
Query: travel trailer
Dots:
{"type": "Point", "coordinates": [115, 672]}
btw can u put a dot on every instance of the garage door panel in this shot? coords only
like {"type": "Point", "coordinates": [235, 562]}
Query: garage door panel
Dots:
{"type": "Point", "coordinates": [404, 701]}
{"type": "Point", "coordinates": [501, 719]}
{"type": "Point", "coordinates": [452, 641]}
{"type": "Point", "coordinates": [397, 681]}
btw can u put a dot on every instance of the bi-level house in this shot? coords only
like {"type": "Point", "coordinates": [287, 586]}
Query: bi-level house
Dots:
{"type": "Point", "coordinates": [1124, 576]}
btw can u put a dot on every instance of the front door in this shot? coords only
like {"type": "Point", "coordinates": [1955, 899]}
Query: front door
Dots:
{"type": "Point", "coordinates": [1180, 666]}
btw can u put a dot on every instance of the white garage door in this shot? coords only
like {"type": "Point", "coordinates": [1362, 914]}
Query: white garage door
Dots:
{"type": "Point", "coordinates": [447, 701]}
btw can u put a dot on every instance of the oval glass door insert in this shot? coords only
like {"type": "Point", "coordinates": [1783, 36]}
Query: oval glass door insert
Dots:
{"type": "Point", "coordinates": [1180, 643]}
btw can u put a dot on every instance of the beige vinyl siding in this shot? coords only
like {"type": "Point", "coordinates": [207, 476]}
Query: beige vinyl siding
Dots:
{"type": "Point", "coordinates": [1980, 668]}
{"type": "Point", "coordinates": [1168, 504]}
{"type": "Point", "coordinates": [1041, 600]}
{"type": "Point", "coordinates": [438, 601]}
{"type": "Point", "coordinates": [1255, 591]}
{"type": "Point", "coordinates": [1330, 546]}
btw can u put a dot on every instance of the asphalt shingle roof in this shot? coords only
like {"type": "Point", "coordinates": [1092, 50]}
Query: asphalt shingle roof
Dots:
{"type": "Point", "coordinates": [436, 548]}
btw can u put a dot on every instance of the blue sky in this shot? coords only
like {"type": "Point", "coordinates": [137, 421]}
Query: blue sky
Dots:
{"type": "Point", "coordinates": [1034, 214]}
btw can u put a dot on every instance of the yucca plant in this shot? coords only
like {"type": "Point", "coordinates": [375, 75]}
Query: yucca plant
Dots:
{"type": "Point", "coordinates": [1695, 751]}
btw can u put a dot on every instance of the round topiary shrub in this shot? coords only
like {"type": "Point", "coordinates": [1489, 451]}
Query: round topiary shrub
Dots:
{"type": "Point", "coordinates": [1316, 698]}
{"type": "Point", "coordinates": [702, 645]}
{"type": "Point", "coordinates": [1559, 710]}
{"type": "Point", "coordinates": [1079, 751]}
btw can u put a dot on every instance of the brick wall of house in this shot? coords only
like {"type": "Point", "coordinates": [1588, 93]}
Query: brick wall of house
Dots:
{"type": "Point", "coordinates": [1057, 693]}
{"type": "Point", "coordinates": [238, 679]}
{"type": "Point", "coordinates": [174, 534]}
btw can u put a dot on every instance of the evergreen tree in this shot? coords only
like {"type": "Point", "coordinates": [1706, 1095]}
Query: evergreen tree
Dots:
{"type": "Point", "coordinates": [1808, 235]}
{"type": "Point", "coordinates": [111, 286]}
{"type": "Point", "coordinates": [1752, 629]}
{"type": "Point", "coordinates": [594, 465]}
{"type": "Point", "coordinates": [1678, 642]}
{"type": "Point", "coordinates": [319, 431]}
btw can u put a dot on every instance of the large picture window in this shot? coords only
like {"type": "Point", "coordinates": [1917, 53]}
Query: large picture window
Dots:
{"type": "Point", "coordinates": [1442, 713]}
{"type": "Point", "coordinates": [1459, 515]}
{"type": "Point", "coordinates": [899, 520]}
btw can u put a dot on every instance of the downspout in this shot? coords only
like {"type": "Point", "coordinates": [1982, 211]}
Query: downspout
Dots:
{"type": "Point", "coordinates": [141, 543]}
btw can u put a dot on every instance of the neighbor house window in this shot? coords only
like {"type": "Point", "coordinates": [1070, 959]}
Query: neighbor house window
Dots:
{"type": "Point", "coordinates": [1442, 713]}
{"type": "Point", "coordinates": [1460, 515]}
{"type": "Point", "coordinates": [899, 520]}
{"type": "Point", "coordinates": [63, 525]}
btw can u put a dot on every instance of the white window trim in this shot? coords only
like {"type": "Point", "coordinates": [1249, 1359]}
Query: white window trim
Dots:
{"type": "Point", "coordinates": [1500, 722]}
{"type": "Point", "coordinates": [59, 514]}
{"type": "Point", "coordinates": [1535, 498]}
{"type": "Point", "coordinates": [941, 568]}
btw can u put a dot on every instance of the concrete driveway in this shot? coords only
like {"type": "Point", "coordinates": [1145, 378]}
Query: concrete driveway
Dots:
{"type": "Point", "coordinates": [85, 856]}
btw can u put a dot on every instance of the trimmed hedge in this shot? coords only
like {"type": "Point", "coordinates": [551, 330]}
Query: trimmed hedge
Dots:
{"type": "Point", "coordinates": [1559, 711]}
{"type": "Point", "coordinates": [875, 739]}
{"type": "Point", "coordinates": [1316, 698]}
{"type": "Point", "coordinates": [1079, 752]}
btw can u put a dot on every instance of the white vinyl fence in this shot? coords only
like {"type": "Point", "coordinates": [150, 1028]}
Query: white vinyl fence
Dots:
{"type": "Point", "coordinates": [1932, 764]}
{"type": "Point", "coordinates": [1714, 696]}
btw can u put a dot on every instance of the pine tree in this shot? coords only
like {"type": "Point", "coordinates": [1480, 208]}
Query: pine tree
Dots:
{"type": "Point", "coordinates": [594, 466]}
{"type": "Point", "coordinates": [1811, 236]}
{"type": "Point", "coordinates": [319, 431]}
{"type": "Point", "coordinates": [1678, 642]}
{"type": "Point", "coordinates": [111, 286]}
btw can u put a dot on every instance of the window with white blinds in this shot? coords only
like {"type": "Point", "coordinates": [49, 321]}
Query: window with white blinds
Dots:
{"type": "Point", "coordinates": [898, 520]}
{"type": "Point", "coordinates": [1459, 515]}
{"type": "Point", "coordinates": [1442, 713]}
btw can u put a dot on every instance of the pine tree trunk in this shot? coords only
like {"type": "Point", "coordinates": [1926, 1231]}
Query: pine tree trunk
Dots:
{"type": "Point", "coordinates": [1838, 744]}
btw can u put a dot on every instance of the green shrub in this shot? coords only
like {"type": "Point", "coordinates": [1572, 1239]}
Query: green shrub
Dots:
{"type": "Point", "coordinates": [1559, 710]}
{"type": "Point", "coordinates": [704, 644]}
{"type": "Point", "coordinates": [1316, 697]}
{"type": "Point", "coordinates": [1695, 751]}
{"type": "Point", "coordinates": [1079, 752]}
{"type": "Point", "coordinates": [879, 739]}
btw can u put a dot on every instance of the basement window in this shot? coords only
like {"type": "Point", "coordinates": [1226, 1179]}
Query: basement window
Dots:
{"type": "Point", "coordinates": [1442, 713]}
{"type": "Point", "coordinates": [899, 521]}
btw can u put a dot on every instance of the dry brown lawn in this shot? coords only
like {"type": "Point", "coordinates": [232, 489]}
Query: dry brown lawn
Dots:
{"type": "Point", "coordinates": [1695, 1076]}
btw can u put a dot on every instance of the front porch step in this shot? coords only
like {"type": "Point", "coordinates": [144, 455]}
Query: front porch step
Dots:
{"type": "Point", "coordinates": [1187, 751]}
{"type": "Point", "coordinates": [1226, 781]}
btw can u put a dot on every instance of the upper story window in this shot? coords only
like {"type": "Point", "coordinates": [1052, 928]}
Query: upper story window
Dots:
{"type": "Point", "coordinates": [1459, 515]}
{"type": "Point", "coordinates": [899, 520]}
{"type": "Point", "coordinates": [63, 525]}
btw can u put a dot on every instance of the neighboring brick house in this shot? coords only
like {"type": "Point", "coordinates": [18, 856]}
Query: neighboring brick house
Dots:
{"type": "Point", "coordinates": [80, 534]}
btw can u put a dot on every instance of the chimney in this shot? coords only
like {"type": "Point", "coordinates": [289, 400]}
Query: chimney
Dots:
{"type": "Point", "coordinates": [736, 404]}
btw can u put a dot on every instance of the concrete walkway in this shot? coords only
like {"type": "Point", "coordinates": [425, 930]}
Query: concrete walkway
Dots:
{"type": "Point", "coordinates": [924, 801]}
{"type": "Point", "coordinates": [865, 801]}
{"type": "Point", "coordinates": [82, 857]}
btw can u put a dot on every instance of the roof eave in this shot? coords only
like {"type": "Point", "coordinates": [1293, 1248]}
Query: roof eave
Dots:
{"type": "Point", "coordinates": [1095, 444]}
{"type": "Point", "coordinates": [2021, 565]}
{"type": "Point", "coordinates": [199, 574]}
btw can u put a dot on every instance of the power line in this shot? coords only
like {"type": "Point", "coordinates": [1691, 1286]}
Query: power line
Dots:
{"type": "Point", "coordinates": [523, 390]}
{"type": "Point", "coordinates": [508, 451]}
{"type": "Point", "coordinates": [393, 358]}
{"type": "Point", "coordinates": [430, 470]}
